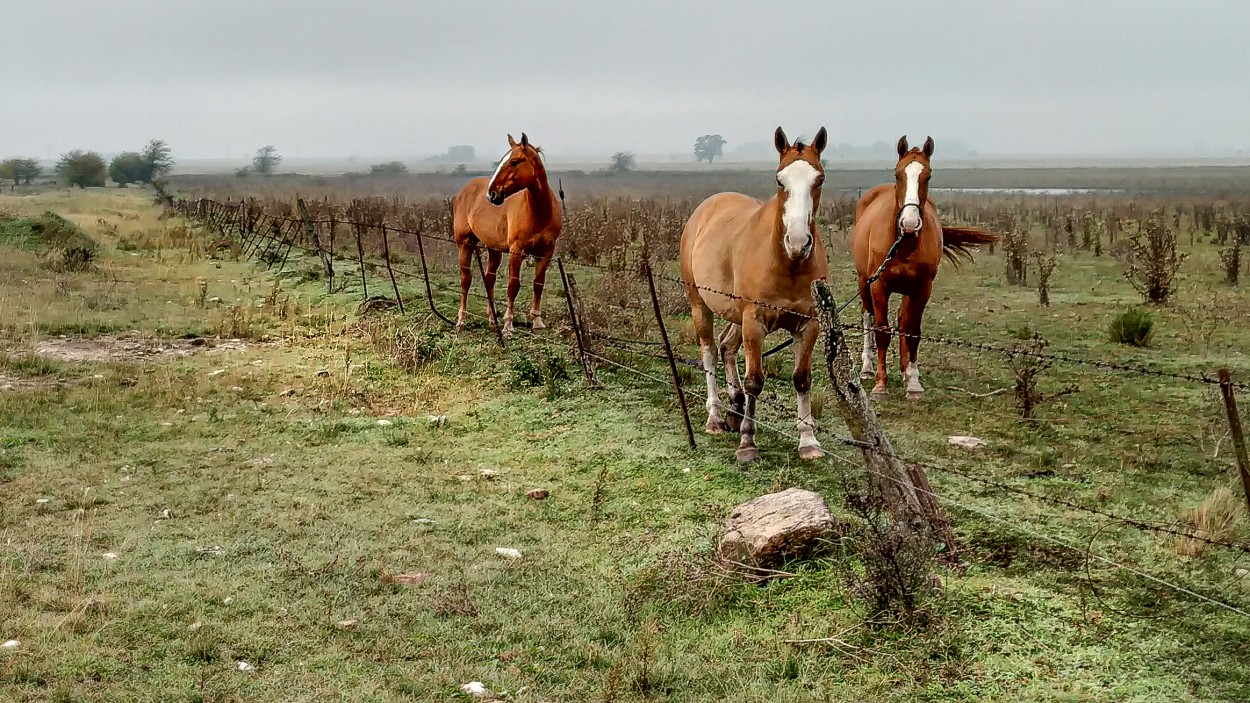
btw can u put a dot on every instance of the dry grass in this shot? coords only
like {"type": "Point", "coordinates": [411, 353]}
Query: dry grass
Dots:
{"type": "Point", "coordinates": [1214, 519]}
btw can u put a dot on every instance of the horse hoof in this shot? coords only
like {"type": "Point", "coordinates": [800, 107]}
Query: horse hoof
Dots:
{"type": "Point", "coordinates": [714, 428]}
{"type": "Point", "coordinates": [538, 324]}
{"type": "Point", "coordinates": [915, 395]}
{"type": "Point", "coordinates": [810, 453]}
{"type": "Point", "coordinates": [747, 455]}
{"type": "Point", "coordinates": [880, 393]}
{"type": "Point", "coordinates": [867, 375]}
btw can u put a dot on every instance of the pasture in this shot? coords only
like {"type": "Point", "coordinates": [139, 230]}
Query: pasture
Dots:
{"type": "Point", "coordinates": [225, 480]}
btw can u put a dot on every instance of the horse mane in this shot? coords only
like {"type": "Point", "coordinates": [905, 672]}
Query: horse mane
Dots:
{"type": "Point", "coordinates": [958, 243]}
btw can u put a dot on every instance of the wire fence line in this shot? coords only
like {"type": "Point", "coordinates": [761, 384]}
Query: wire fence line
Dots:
{"type": "Point", "coordinates": [276, 233]}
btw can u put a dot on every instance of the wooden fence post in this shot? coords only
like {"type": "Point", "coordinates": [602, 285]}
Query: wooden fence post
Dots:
{"type": "Point", "coordinates": [668, 351]}
{"type": "Point", "coordinates": [1234, 426]}
{"type": "Point", "coordinates": [311, 229]}
{"type": "Point", "coordinates": [916, 510]}
{"type": "Point", "coordinates": [576, 325]}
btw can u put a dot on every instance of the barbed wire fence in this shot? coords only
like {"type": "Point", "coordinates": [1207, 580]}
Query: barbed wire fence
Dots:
{"type": "Point", "coordinates": [270, 238]}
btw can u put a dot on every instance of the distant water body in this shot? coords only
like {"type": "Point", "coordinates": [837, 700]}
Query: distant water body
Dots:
{"type": "Point", "coordinates": [1031, 191]}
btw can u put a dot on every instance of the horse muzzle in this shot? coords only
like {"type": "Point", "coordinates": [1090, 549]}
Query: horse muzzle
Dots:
{"type": "Point", "coordinates": [495, 198]}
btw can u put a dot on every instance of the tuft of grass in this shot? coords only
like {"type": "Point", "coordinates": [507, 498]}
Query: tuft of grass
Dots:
{"type": "Point", "coordinates": [1134, 328]}
{"type": "Point", "coordinates": [1214, 518]}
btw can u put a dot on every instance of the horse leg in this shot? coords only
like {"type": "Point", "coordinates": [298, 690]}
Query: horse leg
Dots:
{"type": "Point", "coordinates": [804, 341]}
{"type": "Point", "coordinates": [753, 343]}
{"type": "Point", "coordinates": [881, 316]}
{"type": "Point", "coordinates": [466, 279]}
{"type": "Point", "coordinates": [910, 315]}
{"type": "Point", "coordinates": [867, 370]}
{"type": "Point", "coordinates": [540, 279]}
{"type": "Point", "coordinates": [492, 268]}
{"type": "Point", "coordinates": [730, 342]}
{"type": "Point", "coordinates": [516, 259]}
{"type": "Point", "coordinates": [703, 326]}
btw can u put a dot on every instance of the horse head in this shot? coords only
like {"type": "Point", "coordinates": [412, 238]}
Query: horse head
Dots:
{"type": "Point", "coordinates": [911, 184]}
{"type": "Point", "coordinates": [799, 178]}
{"type": "Point", "coordinates": [519, 169]}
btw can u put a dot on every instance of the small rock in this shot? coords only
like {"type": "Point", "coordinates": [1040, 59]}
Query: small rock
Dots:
{"type": "Point", "coordinates": [423, 521]}
{"type": "Point", "coordinates": [41, 501]}
{"type": "Point", "coordinates": [167, 424]}
{"type": "Point", "coordinates": [214, 551]}
{"type": "Point", "coordinates": [384, 423]}
{"type": "Point", "coordinates": [488, 474]}
{"type": "Point", "coordinates": [218, 372]}
{"type": "Point", "coordinates": [775, 528]}
{"type": "Point", "coordinates": [10, 644]}
{"type": "Point", "coordinates": [465, 478]}
{"type": "Point", "coordinates": [438, 420]}
{"type": "Point", "coordinates": [508, 552]}
{"type": "Point", "coordinates": [109, 555]}
{"type": "Point", "coordinates": [258, 362]}
{"type": "Point", "coordinates": [244, 666]}
{"type": "Point", "coordinates": [348, 624]}
{"type": "Point", "coordinates": [236, 389]}
{"type": "Point", "coordinates": [213, 299]}
{"type": "Point", "coordinates": [322, 372]}
{"type": "Point", "coordinates": [1241, 573]}
{"type": "Point", "coordinates": [478, 690]}
{"type": "Point", "coordinates": [966, 442]}
{"type": "Point", "coordinates": [195, 626]}
{"type": "Point", "coordinates": [166, 514]}
{"type": "Point", "coordinates": [537, 494]}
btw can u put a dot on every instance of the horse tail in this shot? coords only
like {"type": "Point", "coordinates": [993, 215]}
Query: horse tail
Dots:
{"type": "Point", "coordinates": [958, 243]}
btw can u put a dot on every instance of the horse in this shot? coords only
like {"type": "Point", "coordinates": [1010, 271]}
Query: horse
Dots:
{"type": "Point", "coordinates": [513, 211]}
{"type": "Point", "coordinates": [897, 243]}
{"type": "Point", "coordinates": [752, 264]}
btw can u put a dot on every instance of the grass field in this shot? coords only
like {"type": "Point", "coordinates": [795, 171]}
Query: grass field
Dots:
{"type": "Point", "coordinates": [301, 508]}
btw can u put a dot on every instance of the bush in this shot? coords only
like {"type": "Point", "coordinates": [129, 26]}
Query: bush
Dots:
{"type": "Point", "coordinates": [46, 232]}
{"type": "Point", "coordinates": [1134, 328]}
{"type": "Point", "coordinates": [529, 372]}
{"type": "Point", "coordinates": [388, 168]}
{"type": "Point", "coordinates": [1154, 261]}
{"type": "Point", "coordinates": [74, 259]}
{"type": "Point", "coordinates": [82, 168]}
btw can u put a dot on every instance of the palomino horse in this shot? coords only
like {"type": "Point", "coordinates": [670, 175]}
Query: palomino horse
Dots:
{"type": "Point", "coordinates": [484, 212]}
{"type": "Point", "coordinates": [752, 264]}
{"type": "Point", "coordinates": [898, 239]}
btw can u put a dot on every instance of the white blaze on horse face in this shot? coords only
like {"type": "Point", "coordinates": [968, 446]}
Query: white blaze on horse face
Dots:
{"type": "Point", "coordinates": [490, 185]}
{"type": "Point", "coordinates": [909, 217]}
{"type": "Point", "coordinates": [796, 215]}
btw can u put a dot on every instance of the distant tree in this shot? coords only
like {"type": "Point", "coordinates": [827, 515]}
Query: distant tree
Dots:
{"type": "Point", "coordinates": [9, 171]}
{"type": "Point", "coordinates": [29, 170]}
{"type": "Point", "coordinates": [243, 172]}
{"type": "Point", "coordinates": [390, 167]}
{"type": "Point", "coordinates": [82, 168]}
{"type": "Point", "coordinates": [709, 147]}
{"type": "Point", "coordinates": [460, 170]}
{"type": "Point", "coordinates": [129, 167]}
{"type": "Point", "coordinates": [461, 152]}
{"type": "Point", "coordinates": [157, 157]}
{"type": "Point", "coordinates": [266, 160]}
{"type": "Point", "coordinates": [622, 162]}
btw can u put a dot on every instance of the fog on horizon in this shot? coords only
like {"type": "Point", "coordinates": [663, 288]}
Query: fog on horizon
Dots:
{"type": "Point", "coordinates": [387, 78]}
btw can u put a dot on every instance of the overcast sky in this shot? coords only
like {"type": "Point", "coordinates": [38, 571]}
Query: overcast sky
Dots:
{"type": "Point", "coordinates": [403, 78]}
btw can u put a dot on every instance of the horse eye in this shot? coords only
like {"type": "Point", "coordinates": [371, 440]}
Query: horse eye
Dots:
{"type": "Point", "coordinates": [778, 182]}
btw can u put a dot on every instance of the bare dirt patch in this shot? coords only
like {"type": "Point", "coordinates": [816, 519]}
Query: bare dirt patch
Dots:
{"type": "Point", "coordinates": [17, 383]}
{"type": "Point", "coordinates": [133, 348]}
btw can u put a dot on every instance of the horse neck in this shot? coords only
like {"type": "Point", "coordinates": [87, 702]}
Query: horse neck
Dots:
{"type": "Point", "coordinates": [770, 215]}
{"type": "Point", "coordinates": [538, 196]}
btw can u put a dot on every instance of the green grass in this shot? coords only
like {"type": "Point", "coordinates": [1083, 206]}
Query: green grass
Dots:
{"type": "Point", "coordinates": [43, 232]}
{"type": "Point", "coordinates": [281, 462]}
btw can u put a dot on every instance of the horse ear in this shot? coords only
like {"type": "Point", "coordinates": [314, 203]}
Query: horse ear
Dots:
{"type": "Point", "coordinates": [511, 141]}
{"type": "Point", "coordinates": [822, 138]}
{"type": "Point", "coordinates": [928, 147]}
{"type": "Point", "coordinates": [525, 141]}
{"type": "Point", "coordinates": [779, 139]}
{"type": "Point", "coordinates": [902, 146]}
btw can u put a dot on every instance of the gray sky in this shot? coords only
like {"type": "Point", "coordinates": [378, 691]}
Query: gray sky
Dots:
{"type": "Point", "coordinates": [219, 78]}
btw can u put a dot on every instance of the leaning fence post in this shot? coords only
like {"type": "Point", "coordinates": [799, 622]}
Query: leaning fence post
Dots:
{"type": "Point", "coordinates": [668, 351]}
{"type": "Point", "coordinates": [1234, 426]}
{"type": "Point", "coordinates": [311, 229]}
{"type": "Point", "coordinates": [360, 253]}
{"type": "Point", "coordinates": [895, 483]}
{"type": "Point", "coordinates": [576, 325]}
{"type": "Point", "coordinates": [386, 256]}
{"type": "Point", "coordinates": [425, 273]}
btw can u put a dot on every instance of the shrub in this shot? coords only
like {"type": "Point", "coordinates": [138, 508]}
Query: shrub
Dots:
{"type": "Point", "coordinates": [1134, 328]}
{"type": "Point", "coordinates": [1153, 261]}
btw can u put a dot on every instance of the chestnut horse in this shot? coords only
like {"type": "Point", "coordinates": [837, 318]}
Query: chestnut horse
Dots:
{"type": "Point", "coordinates": [485, 212]}
{"type": "Point", "coordinates": [752, 264]}
{"type": "Point", "coordinates": [898, 239]}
